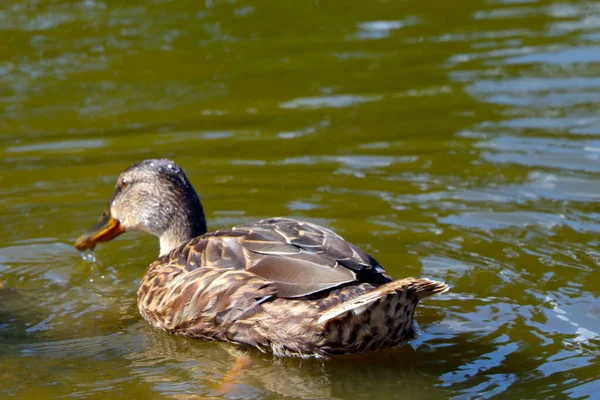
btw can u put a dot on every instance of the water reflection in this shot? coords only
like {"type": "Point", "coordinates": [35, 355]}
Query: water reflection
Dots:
{"type": "Point", "coordinates": [201, 367]}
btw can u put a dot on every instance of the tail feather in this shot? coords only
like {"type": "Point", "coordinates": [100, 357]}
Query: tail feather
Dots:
{"type": "Point", "coordinates": [426, 288]}
{"type": "Point", "coordinates": [422, 288]}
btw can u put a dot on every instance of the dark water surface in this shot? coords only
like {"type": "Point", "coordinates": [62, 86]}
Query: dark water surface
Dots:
{"type": "Point", "coordinates": [454, 140]}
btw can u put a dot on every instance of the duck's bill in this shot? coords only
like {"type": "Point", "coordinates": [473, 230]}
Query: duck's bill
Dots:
{"type": "Point", "coordinates": [105, 229]}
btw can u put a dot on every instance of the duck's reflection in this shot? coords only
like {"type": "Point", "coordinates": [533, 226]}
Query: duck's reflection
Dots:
{"type": "Point", "coordinates": [184, 368]}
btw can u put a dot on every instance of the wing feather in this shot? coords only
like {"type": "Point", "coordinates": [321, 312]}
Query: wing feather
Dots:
{"type": "Point", "coordinates": [301, 275]}
{"type": "Point", "coordinates": [300, 258]}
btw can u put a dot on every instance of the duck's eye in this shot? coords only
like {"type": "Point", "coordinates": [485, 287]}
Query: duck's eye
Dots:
{"type": "Point", "coordinates": [124, 183]}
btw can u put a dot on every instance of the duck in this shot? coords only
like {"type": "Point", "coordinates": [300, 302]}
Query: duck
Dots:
{"type": "Point", "coordinates": [284, 286]}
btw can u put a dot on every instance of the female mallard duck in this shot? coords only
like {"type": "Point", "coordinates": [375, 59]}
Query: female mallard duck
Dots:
{"type": "Point", "coordinates": [291, 287]}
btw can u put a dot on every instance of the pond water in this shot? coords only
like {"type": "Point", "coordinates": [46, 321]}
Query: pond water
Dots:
{"type": "Point", "coordinates": [454, 140]}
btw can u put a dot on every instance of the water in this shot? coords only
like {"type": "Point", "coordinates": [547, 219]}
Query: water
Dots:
{"type": "Point", "coordinates": [455, 141]}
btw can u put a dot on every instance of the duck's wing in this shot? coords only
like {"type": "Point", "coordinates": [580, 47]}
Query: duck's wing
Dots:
{"type": "Point", "coordinates": [299, 258]}
{"type": "Point", "coordinates": [224, 276]}
{"type": "Point", "coordinates": [316, 239]}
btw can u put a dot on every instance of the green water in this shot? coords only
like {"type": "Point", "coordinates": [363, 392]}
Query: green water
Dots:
{"type": "Point", "coordinates": [454, 140]}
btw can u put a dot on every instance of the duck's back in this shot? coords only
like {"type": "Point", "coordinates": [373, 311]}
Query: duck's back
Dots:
{"type": "Point", "coordinates": [274, 278]}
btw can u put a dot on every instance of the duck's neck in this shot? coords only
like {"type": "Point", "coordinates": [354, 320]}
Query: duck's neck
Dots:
{"type": "Point", "coordinates": [185, 225]}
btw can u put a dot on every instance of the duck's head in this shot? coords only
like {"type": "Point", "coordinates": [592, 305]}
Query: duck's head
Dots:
{"type": "Point", "coordinates": [152, 196]}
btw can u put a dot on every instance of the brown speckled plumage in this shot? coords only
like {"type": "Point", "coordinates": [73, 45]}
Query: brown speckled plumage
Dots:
{"type": "Point", "coordinates": [290, 287]}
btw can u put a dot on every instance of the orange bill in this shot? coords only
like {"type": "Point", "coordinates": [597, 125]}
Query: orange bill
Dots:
{"type": "Point", "coordinates": [105, 229]}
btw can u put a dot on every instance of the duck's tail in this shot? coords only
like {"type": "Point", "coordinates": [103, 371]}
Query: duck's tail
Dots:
{"type": "Point", "coordinates": [380, 318]}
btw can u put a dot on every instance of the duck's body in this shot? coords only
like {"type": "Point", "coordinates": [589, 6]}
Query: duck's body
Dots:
{"type": "Point", "coordinates": [281, 285]}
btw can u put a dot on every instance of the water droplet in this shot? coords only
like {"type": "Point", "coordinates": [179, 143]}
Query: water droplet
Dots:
{"type": "Point", "coordinates": [170, 166]}
{"type": "Point", "coordinates": [88, 255]}
{"type": "Point", "coordinates": [152, 164]}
